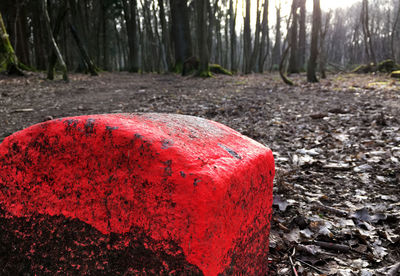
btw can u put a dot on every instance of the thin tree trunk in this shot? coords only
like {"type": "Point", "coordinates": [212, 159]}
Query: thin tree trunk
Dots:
{"type": "Point", "coordinates": [232, 13]}
{"type": "Point", "coordinates": [322, 57]}
{"type": "Point", "coordinates": [394, 31]}
{"type": "Point", "coordinates": [165, 35]}
{"type": "Point", "coordinates": [201, 8]}
{"type": "Point", "coordinates": [247, 40]}
{"type": "Point", "coordinates": [180, 32]}
{"type": "Point", "coordinates": [53, 57]}
{"type": "Point", "coordinates": [302, 35]}
{"type": "Point", "coordinates": [131, 27]}
{"type": "Point", "coordinates": [256, 45]}
{"type": "Point", "coordinates": [104, 34]}
{"type": "Point", "coordinates": [264, 49]}
{"type": "Point", "coordinates": [316, 26]}
{"type": "Point", "coordinates": [369, 51]}
{"type": "Point", "coordinates": [276, 51]}
{"type": "Point", "coordinates": [52, 40]}
{"type": "Point", "coordinates": [293, 60]}
{"type": "Point", "coordinates": [89, 63]}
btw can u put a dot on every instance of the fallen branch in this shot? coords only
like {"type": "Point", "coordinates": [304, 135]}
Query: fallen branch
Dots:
{"type": "Point", "coordinates": [310, 266]}
{"type": "Point", "coordinates": [333, 246]}
{"type": "Point", "coordinates": [332, 210]}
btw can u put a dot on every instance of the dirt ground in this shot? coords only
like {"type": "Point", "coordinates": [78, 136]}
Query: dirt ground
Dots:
{"type": "Point", "coordinates": [336, 146]}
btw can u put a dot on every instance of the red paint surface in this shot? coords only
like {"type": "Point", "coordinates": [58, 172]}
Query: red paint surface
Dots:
{"type": "Point", "coordinates": [180, 178]}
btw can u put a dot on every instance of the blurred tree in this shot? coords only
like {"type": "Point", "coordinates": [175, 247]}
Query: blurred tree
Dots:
{"type": "Point", "coordinates": [130, 19]}
{"type": "Point", "coordinates": [293, 60]}
{"type": "Point", "coordinates": [180, 29]}
{"type": "Point", "coordinates": [316, 26]}
{"type": "Point", "coordinates": [201, 9]}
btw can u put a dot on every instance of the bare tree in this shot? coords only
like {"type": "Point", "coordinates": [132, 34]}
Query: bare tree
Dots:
{"type": "Point", "coordinates": [394, 31]}
{"type": "Point", "coordinates": [369, 49]}
{"type": "Point", "coordinates": [201, 9]}
{"type": "Point", "coordinates": [53, 41]}
{"type": "Point", "coordinates": [302, 34]}
{"type": "Point", "coordinates": [180, 32]}
{"type": "Point", "coordinates": [322, 50]}
{"type": "Point", "coordinates": [293, 60]}
{"type": "Point", "coordinates": [316, 26]}
{"type": "Point", "coordinates": [264, 48]}
{"type": "Point", "coordinates": [131, 26]}
{"type": "Point", "coordinates": [232, 23]}
{"type": "Point", "coordinates": [247, 40]}
{"type": "Point", "coordinates": [276, 51]}
{"type": "Point", "coordinates": [256, 44]}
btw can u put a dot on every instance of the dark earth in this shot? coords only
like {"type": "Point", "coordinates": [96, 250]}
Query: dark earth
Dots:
{"type": "Point", "coordinates": [337, 152]}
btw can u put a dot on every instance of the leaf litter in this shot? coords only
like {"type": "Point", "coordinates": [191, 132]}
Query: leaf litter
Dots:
{"type": "Point", "coordinates": [336, 146]}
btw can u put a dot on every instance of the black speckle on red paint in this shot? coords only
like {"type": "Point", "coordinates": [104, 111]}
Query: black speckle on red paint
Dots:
{"type": "Point", "coordinates": [166, 143]}
{"type": "Point", "coordinates": [196, 181]}
{"type": "Point", "coordinates": [167, 169]}
{"type": "Point", "coordinates": [183, 174]}
{"type": "Point", "coordinates": [111, 128]}
{"type": "Point", "coordinates": [89, 126]}
{"type": "Point", "coordinates": [230, 151]}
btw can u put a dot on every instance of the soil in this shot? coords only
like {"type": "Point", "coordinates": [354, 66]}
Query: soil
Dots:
{"type": "Point", "coordinates": [336, 146]}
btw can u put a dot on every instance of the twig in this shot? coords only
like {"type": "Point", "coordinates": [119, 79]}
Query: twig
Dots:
{"type": "Point", "coordinates": [393, 271]}
{"type": "Point", "coordinates": [292, 263]}
{"type": "Point", "coordinates": [280, 225]}
{"type": "Point", "coordinates": [310, 266]}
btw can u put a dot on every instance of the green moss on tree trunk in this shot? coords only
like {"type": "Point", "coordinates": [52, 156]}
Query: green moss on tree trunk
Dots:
{"type": "Point", "coordinates": [8, 59]}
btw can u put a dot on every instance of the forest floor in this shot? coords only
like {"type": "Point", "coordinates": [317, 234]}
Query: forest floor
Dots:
{"type": "Point", "coordinates": [336, 146]}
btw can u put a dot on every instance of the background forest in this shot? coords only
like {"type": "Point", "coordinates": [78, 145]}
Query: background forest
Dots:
{"type": "Point", "coordinates": [241, 35]}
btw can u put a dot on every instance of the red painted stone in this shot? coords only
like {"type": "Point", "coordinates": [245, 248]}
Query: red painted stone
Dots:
{"type": "Point", "coordinates": [181, 178]}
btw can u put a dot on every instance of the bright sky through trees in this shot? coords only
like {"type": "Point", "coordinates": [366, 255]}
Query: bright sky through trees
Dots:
{"type": "Point", "coordinates": [329, 4]}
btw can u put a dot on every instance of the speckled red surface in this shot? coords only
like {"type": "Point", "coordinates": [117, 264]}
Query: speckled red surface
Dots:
{"type": "Point", "coordinates": [177, 178]}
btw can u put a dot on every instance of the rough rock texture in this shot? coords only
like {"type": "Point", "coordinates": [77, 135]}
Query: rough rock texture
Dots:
{"type": "Point", "coordinates": [198, 191]}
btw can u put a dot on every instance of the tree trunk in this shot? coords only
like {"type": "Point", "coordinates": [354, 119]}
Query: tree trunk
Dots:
{"type": "Point", "coordinates": [21, 35]}
{"type": "Point", "coordinates": [293, 60]}
{"type": "Point", "coordinates": [211, 22]}
{"type": "Point", "coordinates": [369, 49]}
{"type": "Point", "coordinates": [7, 54]}
{"type": "Point", "coordinates": [322, 56]}
{"type": "Point", "coordinates": [276, 51]}
{"type": "Point", "coordinates": [104, 33]}
{"type": "Point", "coordinates": [89, 63]}
{"type": "Point", "coordinates": [131, 27]}
{"type": "Point", "coordinates": [232, 13]}
{"type": "Point", "coordinates": [53, 57]}
{"type": "Point", "coordinates": [53, 41]}
{"type": "Point", "coordinates": [180, 32]}
{"type": "Point", "coordinates": [256, 45]}
{"type": "Point", "coordinates": [302, 35]}
{"type": "Point", "coordinates": [316, 26]}
{"type": "Point", "coordinates": [165, 35]}
{"type": "Point", "coordinates": [247, 40]}
{"type": "Point", "coordinates": [394, 31]}
{"type": "Point", "coordinates": [201, 9]}
{"type": "Point", "coordinates": [40, 47]}
{"type": "Point", "coordinates": [264, 49]}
